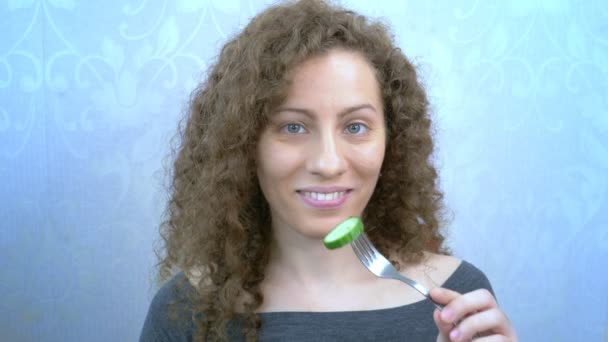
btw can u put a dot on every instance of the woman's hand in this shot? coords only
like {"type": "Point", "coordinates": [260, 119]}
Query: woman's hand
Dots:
{"type": "Point", "coordinates": [471, 316]}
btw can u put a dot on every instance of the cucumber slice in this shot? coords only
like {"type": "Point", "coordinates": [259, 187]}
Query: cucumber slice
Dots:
{"type": "Point", "coordinates": [344, 233]}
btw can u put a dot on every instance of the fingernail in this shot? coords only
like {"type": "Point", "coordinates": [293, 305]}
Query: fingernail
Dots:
{"type": "Point", "coordinates": [447, 315]}
{"type": "Point", "coordinates": [454, 334]}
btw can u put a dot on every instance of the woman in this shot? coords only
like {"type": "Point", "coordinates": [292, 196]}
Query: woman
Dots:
{"type": "Point", "coordinates": [310, 116]}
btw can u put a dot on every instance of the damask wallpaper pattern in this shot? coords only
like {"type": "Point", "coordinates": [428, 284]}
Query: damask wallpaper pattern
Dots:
{"type": "Point", "coordinates": [91, 94]}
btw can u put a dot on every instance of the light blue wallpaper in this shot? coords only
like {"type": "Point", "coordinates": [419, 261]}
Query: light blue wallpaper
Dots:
{"type": "Point", "coordinates": [91, 92]}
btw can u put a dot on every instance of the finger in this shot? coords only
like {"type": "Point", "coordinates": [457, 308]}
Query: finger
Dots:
{"type": "Point", "coordinates": [467, 304]}
{"type": "Point", "coordinates": [442, 295]}
{"type": "Point", "coordinates": [489, 321]}
{"type": "Point", "coordinates": [444, 327]}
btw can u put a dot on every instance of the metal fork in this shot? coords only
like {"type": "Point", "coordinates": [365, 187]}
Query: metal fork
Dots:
{"type": "Point", "coordinates": [381, 267]}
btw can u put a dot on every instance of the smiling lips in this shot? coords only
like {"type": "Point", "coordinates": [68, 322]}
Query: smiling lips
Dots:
{"type": "Point", "coordinates": [324, 198]}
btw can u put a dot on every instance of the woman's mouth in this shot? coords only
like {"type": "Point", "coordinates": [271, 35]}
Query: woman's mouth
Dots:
{"type": "Point", "coordinates": [324, 200]}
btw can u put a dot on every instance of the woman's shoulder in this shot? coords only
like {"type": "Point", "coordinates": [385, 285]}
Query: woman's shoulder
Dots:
{"type": "Point", "coordinates": [449, 272]}
{"type": "Point", "coordinates": [168, 312]}
{"type": "Point", "coordinates": [459, 275]}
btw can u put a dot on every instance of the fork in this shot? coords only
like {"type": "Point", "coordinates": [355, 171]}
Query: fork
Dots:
{"type": "Point", "coordinates": [376, 263]}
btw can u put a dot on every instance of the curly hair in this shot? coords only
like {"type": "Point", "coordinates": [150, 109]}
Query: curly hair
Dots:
{"type": "Point", "coordinates": [218, 221]}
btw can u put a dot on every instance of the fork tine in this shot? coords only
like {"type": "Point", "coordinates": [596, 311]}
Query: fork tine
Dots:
{"type": "Point", "coordinates": [371, 248]}
{"type": "Point", "coordinates": [365, 246]}
{"type": "Point", "coordinates": [360, 252]}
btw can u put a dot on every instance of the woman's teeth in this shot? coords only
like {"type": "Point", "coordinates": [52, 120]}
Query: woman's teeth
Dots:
{"type": "Point", "coordinates": [319, 196]}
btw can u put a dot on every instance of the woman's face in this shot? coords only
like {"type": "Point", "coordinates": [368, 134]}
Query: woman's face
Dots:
{"type": "Point", "coordinates": [319, 158]}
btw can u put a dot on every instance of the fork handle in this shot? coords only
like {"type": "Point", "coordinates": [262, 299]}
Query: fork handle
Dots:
{"type": "Point", "coordinates": [418, 287]}
{"type": "Point", "coordinates": [424, 291]}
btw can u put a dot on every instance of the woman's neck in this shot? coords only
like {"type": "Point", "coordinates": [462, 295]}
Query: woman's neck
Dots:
{"type": "Point", "coordinates": [306, 261]}
{"type": "Point", "coordinates": [315, 264]}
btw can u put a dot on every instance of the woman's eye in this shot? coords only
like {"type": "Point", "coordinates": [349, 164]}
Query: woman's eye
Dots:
{"type": "Point", "coordinates": [356, 128]}
{"type": "Point", "coordinates": [293, 128]}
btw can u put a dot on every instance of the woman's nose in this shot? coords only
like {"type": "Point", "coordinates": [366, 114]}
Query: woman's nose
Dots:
{"type": "Point", "coordinates": [326, 157]}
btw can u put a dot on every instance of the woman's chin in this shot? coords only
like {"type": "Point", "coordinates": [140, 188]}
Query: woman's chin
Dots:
{"type": "Point", "coordinates": [319, 230]}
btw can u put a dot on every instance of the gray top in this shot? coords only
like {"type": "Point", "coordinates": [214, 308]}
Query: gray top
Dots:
{"type": "Point", "coordinates": [412, 322]}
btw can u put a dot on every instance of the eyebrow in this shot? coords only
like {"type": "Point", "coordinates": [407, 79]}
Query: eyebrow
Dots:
{"type": "Point", "coordinates": [342, 113]}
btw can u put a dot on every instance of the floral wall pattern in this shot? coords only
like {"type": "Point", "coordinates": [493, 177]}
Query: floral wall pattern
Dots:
{"type": "Point", "coordinates": [91, 94]}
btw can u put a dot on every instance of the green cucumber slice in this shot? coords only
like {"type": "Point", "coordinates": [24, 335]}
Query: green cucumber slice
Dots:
{"type": "Point", "coordinates": [344, 233]}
